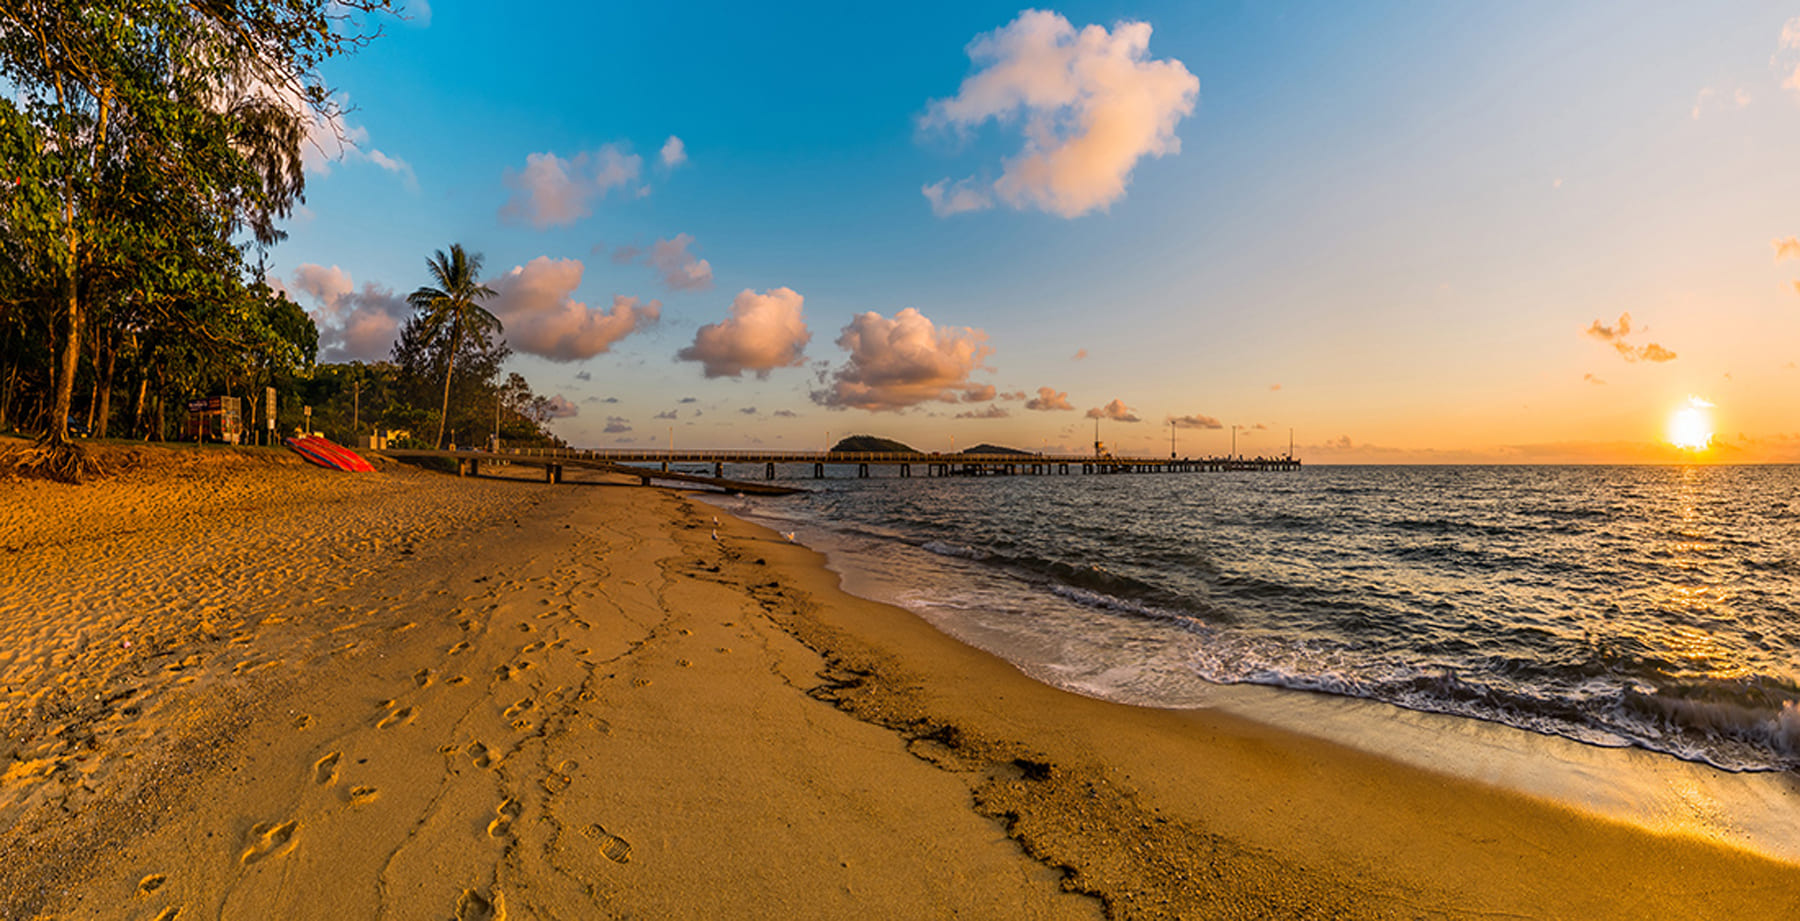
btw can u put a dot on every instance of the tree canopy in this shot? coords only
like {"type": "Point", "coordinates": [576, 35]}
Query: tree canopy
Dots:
{"type": "Point", "coordinates": [149, 150]}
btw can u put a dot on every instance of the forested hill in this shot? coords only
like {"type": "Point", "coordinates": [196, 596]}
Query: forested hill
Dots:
{"type": "Point", "coordinates": [871, 444]}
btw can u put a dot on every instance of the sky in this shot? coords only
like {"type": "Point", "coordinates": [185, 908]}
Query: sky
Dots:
{"type": "Point", "coordinates": [1466, 233]}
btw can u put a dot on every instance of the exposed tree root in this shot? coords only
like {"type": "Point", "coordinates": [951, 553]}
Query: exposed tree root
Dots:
{"type": "Point", "coordinates": [68, 462]}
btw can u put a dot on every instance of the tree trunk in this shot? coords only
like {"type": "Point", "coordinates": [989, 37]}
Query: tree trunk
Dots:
{"type": "Point", "coordinates": [98, 429]}
{"type": "Point", "coordinates": [94, 391]}
{"type": "Point", "coordinates": [449, 366]}
{"type": "Point", "coordinates": [57, 432]}
{"type": "Point", "coordinates": [139, 428]}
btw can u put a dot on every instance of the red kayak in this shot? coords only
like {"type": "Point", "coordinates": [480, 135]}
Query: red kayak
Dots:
{"type": "Point", "coordinates": [325, 454]}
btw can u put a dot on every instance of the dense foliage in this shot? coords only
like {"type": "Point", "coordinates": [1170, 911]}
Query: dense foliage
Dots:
{"type": "Point", "coordinates": [148, 151]}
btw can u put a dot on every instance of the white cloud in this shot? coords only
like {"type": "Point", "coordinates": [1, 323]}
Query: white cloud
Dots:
{"type": "Point", "coordinates": [674, 152]}
{"type": "Point", "coordinates": [353, 325]}
{"type": "Point", "coordinates": [680, 270]}
{"type": "Point", "coordinates": [964, 195]}
{"type": "Point", "coordinates": [1091, 105]}
{"type": "Point", "coordinates": [764, 332]}
{"type": "Point", "coordinates": [903, 362]}
{"type": "Point", "coordinates": [552, 191]}
{"type": "Point", "coordinates": [542, 318]}
{"type": "Point", "coordinates": [330, 138]}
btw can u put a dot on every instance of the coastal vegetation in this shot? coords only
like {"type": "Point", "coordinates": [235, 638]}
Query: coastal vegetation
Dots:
{"type": "Point", "coordinates": [149, 152]}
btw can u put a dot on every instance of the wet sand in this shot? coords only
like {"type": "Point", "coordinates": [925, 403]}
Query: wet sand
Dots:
{"type": "Point", "coordinates": [257, 689]}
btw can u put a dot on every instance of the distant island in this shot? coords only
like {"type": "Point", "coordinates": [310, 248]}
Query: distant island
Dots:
{"type": "Point", "coordinates": [870, 444]}
{"type": "Point", "coordinates": [866, 444]}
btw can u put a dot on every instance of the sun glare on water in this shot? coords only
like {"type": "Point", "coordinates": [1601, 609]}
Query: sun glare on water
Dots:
{"type": "Point", "coordinates": [1691, 427]}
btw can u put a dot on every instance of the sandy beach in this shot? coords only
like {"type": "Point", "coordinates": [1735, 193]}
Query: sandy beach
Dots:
{"type": "Point", "coordinates": [237, 687]}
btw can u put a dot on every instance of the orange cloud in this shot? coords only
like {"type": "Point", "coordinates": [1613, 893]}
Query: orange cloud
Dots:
{"type": "Point", "coordinates": [1048, 399]}
{"type": "Point", "coordinates": [1116, 410]}
{"type": "Point", "coordinates": [1611, 333]}
{"type": "Point", "coordinates": [1616, 335]}
{"type": "Point", "coordinates": [993, 411]}
{"type": "Point", "coordinates": [902, 362]}
{"type": "Point", "coordinates": [1786, 248]}
{"type": "Point", "coordinates": [541, 318]}
{"type": "Point", "coordinates": [1194, 422]}
{"type": "Point", "coordinates": [1091, 105]}
{"type": "Point", "coordinates": [764, 332]}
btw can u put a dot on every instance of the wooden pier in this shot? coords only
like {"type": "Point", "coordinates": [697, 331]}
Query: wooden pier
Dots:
{"type": "Point", "coordinates": [905, 464]}
{"type": "Point", "coordinates": [468, 463]}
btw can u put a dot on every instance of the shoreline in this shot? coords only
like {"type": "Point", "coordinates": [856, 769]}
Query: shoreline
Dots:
{"type": "Point", "coordinates": [1753, 810]}
{"type": "Point", "coordinates": [652, 721]}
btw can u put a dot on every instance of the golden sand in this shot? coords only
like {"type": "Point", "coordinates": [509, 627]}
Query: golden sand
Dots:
{"type": "Point", "coordinates": [263, 690]}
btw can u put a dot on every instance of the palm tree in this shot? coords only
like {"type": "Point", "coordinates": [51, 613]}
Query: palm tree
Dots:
{"type": "Point", "coordinates": [450, 310]}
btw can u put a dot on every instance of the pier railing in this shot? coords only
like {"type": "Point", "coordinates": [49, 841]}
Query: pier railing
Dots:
{"type": "Point", "coordinates": [933, 463]}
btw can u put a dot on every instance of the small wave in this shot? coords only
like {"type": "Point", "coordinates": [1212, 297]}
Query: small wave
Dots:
{"type": "Point", "coordinates": [960, 551]}
{"type": "Point", "coordinates": [1106, 602]}
{"type": "Point", "coordinates": [1731, 726]}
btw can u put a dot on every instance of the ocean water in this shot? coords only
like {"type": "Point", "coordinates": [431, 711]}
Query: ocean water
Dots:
{"type": "Point", "coordinates": [1656, 607]}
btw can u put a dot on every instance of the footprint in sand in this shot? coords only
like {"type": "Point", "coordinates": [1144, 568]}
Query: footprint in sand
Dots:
{"type": "Point", "coordinates": [399, 717]}
{"type": "Point", "coordinates": [556, 783]}
{"type": "Point", "coordinates": [520, 707]}
{"type": "Point", "coordinates": [422, 677]}
{"type": "Point", "coordinates": [151, 883]}
{"type": "Point", "coordinates": [168, 914]}
{"type": "Point", "coordinates": [506, 813]}
{"type": "Point", "coordinates": [458, 680]}
{"type": "Point", "coordinates": [459, 647]}
{"type": "Point", "coordinates": [302, 721]}
{"type": "Point", "coordinates": [481, 755]}
{"type": "Point", "coordinates": [613, 847]}
{"type": "Point", "coordinates": [473, 906]}
{"type": "Point", "coordinates": [359, 796]}
{"type": "Point", "coordinates": [268, 839]}
{"type": "Point", "coordinates": [325, 769]}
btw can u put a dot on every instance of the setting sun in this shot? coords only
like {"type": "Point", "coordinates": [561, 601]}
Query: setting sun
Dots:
{"type": "Point", "coordinates": [1691, 426]}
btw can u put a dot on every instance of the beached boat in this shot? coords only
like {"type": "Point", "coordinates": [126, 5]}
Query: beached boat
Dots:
{"type": "Point", "coordinates": [327, 454]}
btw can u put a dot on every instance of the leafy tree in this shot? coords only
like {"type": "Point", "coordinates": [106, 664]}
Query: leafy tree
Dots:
{"type": "Point", "coordinates": [450, 310]}
{"type": "Point", "coordinates": [128, 112]}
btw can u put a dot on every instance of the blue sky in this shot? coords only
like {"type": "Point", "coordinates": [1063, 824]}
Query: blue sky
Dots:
{"type": "Point", "coordinates": [1393, 229]}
